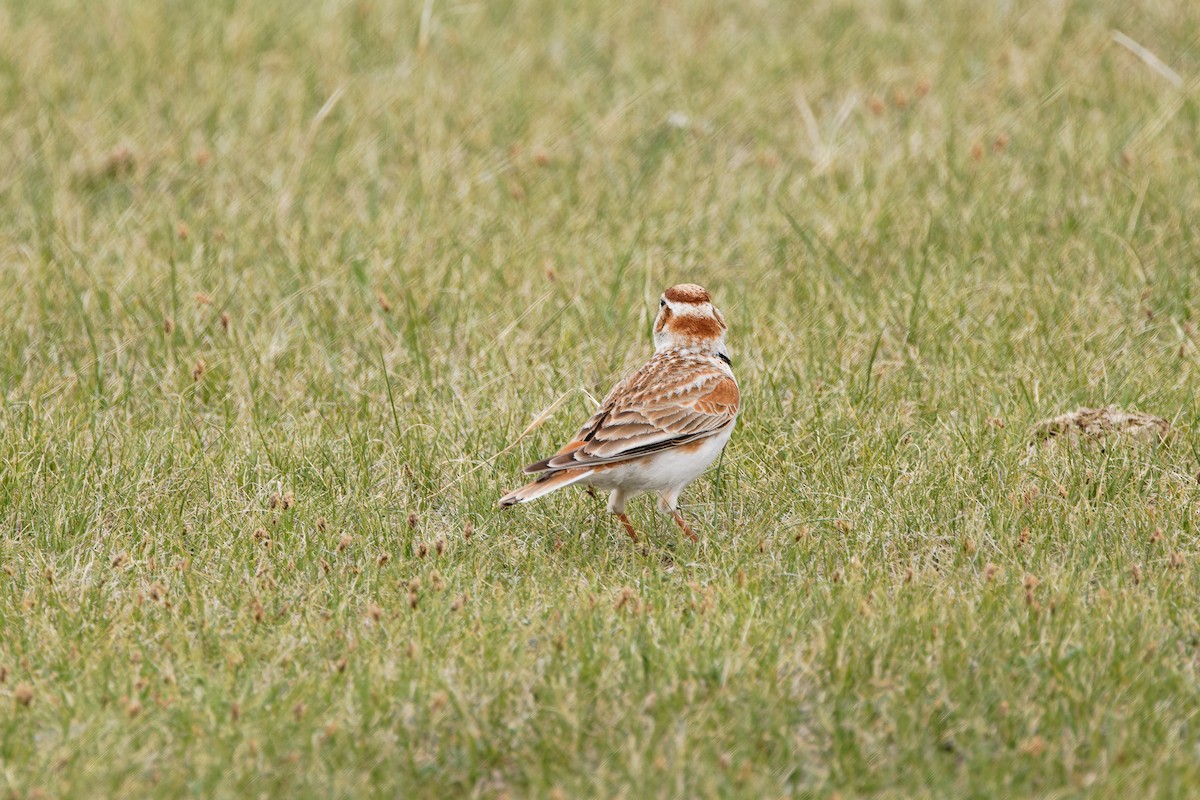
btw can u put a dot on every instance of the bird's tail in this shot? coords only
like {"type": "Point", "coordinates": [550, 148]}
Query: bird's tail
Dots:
{"type": "Point", "coordinates": [547, 483]}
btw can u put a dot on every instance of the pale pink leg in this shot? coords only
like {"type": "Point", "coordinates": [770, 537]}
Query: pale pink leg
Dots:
{"type": "Point", "coordinates": [687, 529]}
{"type": "Point", "coordinates": [628, 526]}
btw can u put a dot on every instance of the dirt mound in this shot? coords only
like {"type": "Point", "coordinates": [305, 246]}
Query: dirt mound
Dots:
{"type": "Point", "coordinates": [1101, 423]}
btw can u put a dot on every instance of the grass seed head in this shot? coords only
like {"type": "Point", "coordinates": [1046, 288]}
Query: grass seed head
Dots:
{"type": "Point", "coordinates": [225, 321]}
{"type": "Point", "coordinates": [202, 299]}
{"type": "Point", "coordinates": [23, 694]}
{"type": "Point", "coordinates": [119, 163]}
{"type": "Point", "coordinates": [468, 529]}
{"type": "Point", "coordinates": [383, 559]}
{"type": "Point", "coordinates": [1137, 573]}
{"type": "Point", "coordinates": [1033, 746]}
{"type": "Point", "coordinates": [422, 550]}
{"type": "Point", "coordinates": [182, 230]}
{"type": "Point", "coordinates": [289, 501]}
{"type": "Point", "coordinates": [133, 708]}
{"type": "Point", "coordinates": [413, 521]}
{"type": "Point", "coordinates": [168, 325]}
{"type": "Point", "coordinates": [440, 546]}
{"type": "Point", "coordinates": [374, 612]}
{"type": "Point", "coordinates": [385, 305]}
{"type": "Point", "coordinates": [344, 542]}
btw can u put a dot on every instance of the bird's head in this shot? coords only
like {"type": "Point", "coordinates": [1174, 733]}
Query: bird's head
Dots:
{"type": "Point", "coordinates": [687, 320]}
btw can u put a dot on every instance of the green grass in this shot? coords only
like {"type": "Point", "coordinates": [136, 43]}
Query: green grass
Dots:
{"type": "Point", "coordinates": [426, 223]}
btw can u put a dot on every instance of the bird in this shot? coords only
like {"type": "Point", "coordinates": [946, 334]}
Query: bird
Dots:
{"type": "Point", "coordinates": [662, 425]}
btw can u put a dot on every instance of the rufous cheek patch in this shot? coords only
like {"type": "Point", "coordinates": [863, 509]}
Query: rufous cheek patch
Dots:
{"type": "Point", "coordinates": [698, 327]}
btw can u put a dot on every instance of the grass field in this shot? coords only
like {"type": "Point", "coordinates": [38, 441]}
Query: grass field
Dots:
{"type": "Point", "coordinates": [282, 290]}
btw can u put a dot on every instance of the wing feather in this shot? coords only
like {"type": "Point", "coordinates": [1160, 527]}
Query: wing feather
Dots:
{"type": "Point", "coordinates": [673, 400]}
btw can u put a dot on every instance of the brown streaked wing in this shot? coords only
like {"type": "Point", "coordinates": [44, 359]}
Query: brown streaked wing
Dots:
{"type": "Point", "coordinates": [662, 405]}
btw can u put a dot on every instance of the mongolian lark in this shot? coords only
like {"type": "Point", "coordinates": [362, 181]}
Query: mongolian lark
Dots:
{"type": "Point", "coordinates": [661, 426]}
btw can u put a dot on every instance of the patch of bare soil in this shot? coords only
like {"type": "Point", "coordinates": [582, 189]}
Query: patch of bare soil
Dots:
{"type": "Point", "coordinates": [1098, 424]}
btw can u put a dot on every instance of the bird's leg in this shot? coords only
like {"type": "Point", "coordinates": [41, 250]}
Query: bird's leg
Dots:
{"type": "Point", "coordinates": [628, 526]}
{"type": "Point", "coordinates": [687, 529]}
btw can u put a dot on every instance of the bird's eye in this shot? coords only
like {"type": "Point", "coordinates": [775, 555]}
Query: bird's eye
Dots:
{"type": "Point", "coordinates": [661, 302]}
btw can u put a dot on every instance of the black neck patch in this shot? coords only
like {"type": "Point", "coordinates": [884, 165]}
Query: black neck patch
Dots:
{"type": "Point", "coordinates": [725, 358]}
